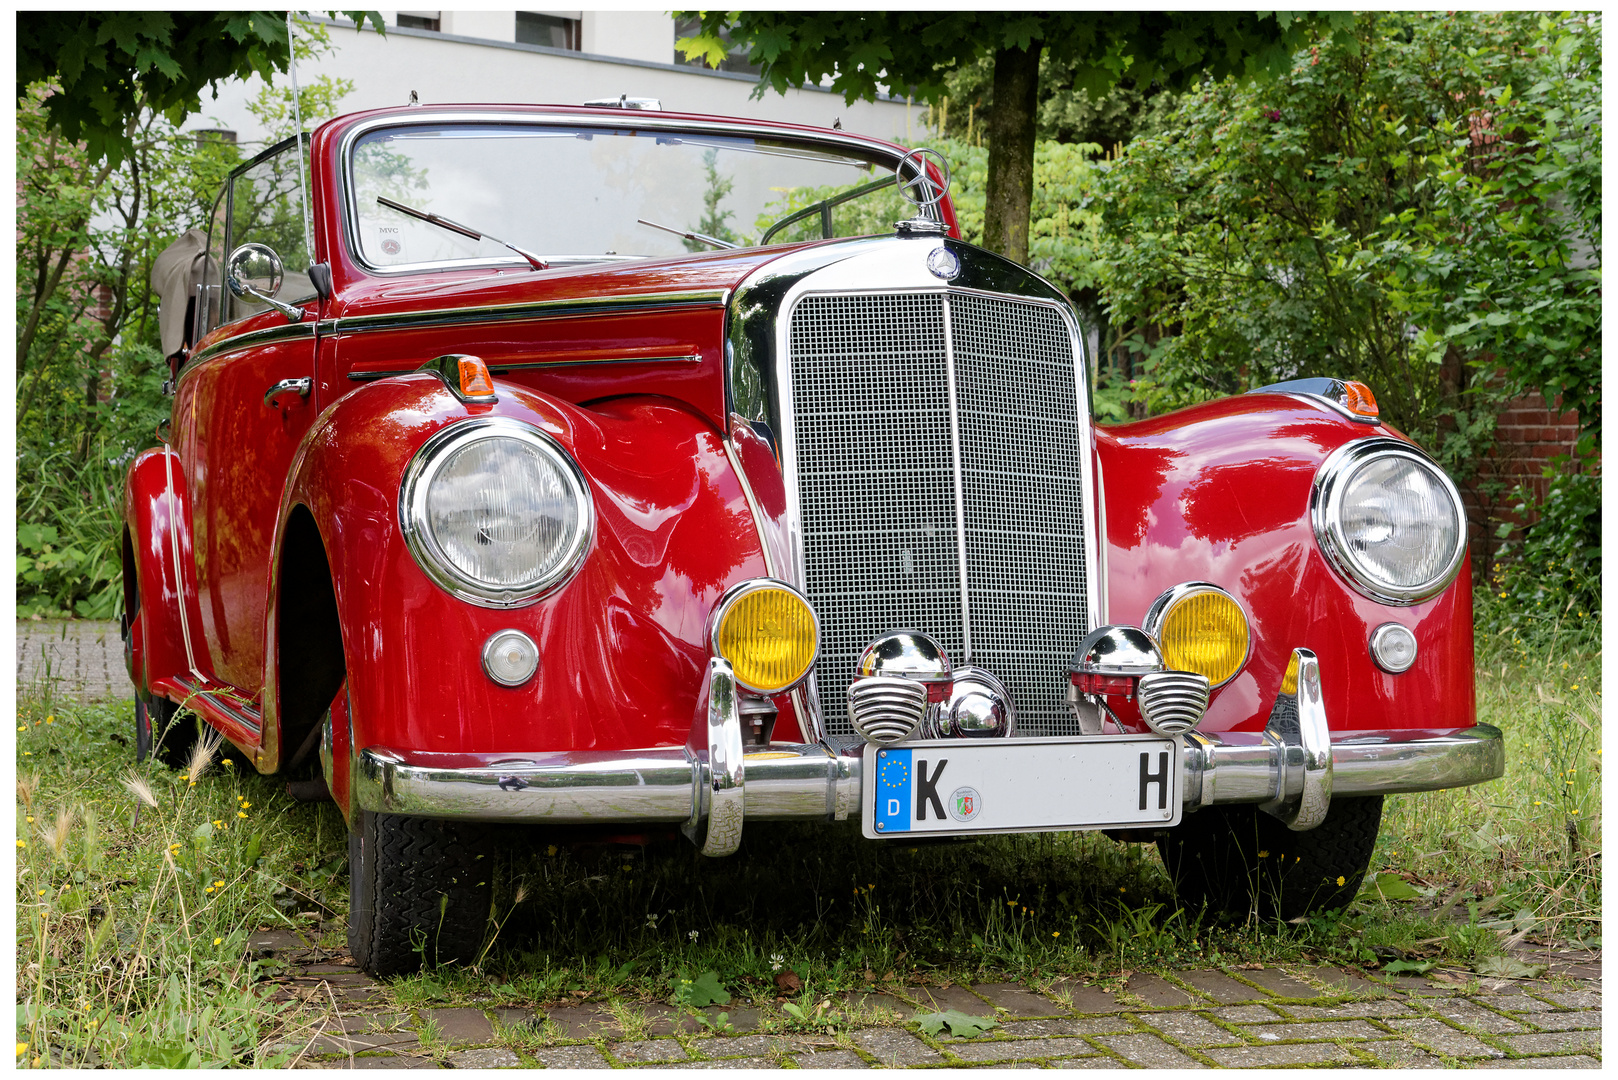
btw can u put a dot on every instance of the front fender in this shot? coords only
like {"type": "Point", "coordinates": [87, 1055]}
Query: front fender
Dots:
{"type": "Point", "coordinates": [156, 521]}
{"type": "Point", "coordinates": [622, 644]}
{"type": "Point", "coordinates": [1220, 493]}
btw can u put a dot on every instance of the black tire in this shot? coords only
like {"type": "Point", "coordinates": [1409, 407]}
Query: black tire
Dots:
{"type": "Point", "coordinates": [1240, 860]}
{"type": "Point", "coordinates": [161, 734]}
{"type": "Point", "coordinates": [417, 890]}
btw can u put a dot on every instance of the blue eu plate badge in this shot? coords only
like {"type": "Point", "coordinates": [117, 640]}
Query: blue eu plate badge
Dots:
{"type": "Point", "coordinates": [893, 773]}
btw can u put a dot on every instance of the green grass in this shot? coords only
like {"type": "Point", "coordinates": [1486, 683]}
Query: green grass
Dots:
{"type": "Point", "coordinates": [131, 953]}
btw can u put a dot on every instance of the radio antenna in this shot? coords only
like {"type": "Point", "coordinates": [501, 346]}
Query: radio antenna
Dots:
{"type": "Point", "coordinates": [297, 119]}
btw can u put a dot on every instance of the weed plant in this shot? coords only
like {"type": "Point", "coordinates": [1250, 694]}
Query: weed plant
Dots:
{"type": "Point", "coordinates": [132, 952]}
{"type": "Point", "coordinates": [139, 889]}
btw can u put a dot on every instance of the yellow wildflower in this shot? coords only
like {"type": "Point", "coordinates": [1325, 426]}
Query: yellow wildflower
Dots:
{"type": "Point", "coordinates": [241, 813]}
{"type": "Point", "coordinates": [22, 843]}
{"type": "Point", "coordinates": [1341, 881]}
{"type": "Point", "coordinates": [217, 940]}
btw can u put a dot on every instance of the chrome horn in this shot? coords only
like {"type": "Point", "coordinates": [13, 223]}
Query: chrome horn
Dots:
{"type": "Point", "coordinates": [898, 674]}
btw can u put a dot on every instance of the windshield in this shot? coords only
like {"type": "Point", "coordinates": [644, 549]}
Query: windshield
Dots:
{"type": "Point", "coordinates": [580, 194]}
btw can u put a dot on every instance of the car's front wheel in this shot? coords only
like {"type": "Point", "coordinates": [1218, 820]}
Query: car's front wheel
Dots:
{"type": "Point", "coordinates": [418, 889]}
{"type": "Point", "coordinates": [1238, 859]}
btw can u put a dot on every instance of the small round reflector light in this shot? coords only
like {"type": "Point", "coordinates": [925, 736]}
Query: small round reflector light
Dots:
{"type": "Point", "coordinates": [1201, 628]}
{"type": "Point", "coordinates": [768, 632]}
{"type": "Point", "coordinates": [1393, 647]}
{"type": "Point", "coordinates": [510, 657]}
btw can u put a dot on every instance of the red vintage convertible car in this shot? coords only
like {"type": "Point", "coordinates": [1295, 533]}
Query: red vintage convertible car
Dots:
{"type": "Point", "coordinates": [728, 484]}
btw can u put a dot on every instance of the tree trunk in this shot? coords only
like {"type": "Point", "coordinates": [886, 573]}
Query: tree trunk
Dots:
{"type": "Point", "coordinates": [1011, 151]}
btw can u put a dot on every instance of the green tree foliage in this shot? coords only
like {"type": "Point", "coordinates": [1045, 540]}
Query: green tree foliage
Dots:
{"type": "Point", "coordinates": [109, 67]}
{"type": "Point", "coordinates": [1330, 223]}
{"type": "Point", "coordinates": [89, 369]}
{"type": "Point", "coordinates": [865, 52]}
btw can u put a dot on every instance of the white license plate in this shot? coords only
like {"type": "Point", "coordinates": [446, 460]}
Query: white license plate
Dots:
{"type": "Point", "coordinates": [958, 786]}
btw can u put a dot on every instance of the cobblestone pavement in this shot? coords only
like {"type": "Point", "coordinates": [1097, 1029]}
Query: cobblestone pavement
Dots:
{"type": "Point", "coordinates": [1231, 1018]}
{"type": "Point", "coordinates": [84, 659]}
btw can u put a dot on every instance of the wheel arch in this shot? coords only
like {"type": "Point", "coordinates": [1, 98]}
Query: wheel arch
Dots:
{"type": "Point", "coordinates": [307, 665]}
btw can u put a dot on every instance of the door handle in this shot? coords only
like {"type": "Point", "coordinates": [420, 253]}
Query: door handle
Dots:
{"type": "Point", "coordinates": [287, 388]}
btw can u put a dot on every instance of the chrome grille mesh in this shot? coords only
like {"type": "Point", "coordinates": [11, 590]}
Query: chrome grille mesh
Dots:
{"type": "Point", "coordinates": [876, 487]}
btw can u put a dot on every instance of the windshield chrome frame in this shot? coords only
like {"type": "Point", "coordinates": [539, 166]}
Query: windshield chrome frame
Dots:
{"type": "Point", "coordinates": [635, 121]}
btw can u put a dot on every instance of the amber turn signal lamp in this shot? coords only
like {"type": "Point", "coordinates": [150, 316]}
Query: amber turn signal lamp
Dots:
{"type": "Point", "coordinates": [768, 632]}
{"type": "Point", "coordinates": [476, 381]}
{"type": "Point", "coordinates": [1358, 399]}
{"type": "Point", "coordinates": [1201, 629]}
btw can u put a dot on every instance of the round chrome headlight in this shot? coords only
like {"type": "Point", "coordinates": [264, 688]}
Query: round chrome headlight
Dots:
{"type": "Point", "coordinates": [495, 512]}
{"type": "Point", "coordinates": [1389, 520]}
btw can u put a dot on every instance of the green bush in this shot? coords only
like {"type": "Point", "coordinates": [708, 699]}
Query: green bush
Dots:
{"type": "Point", "coordinates": [1547, 583]}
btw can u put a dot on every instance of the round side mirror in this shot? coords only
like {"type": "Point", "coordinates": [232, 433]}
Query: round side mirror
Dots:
{"type": "Point", "coordinates": [253, 271]}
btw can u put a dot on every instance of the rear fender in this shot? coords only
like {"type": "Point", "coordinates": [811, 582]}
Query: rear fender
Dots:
{"type": "Point", "coordinates": [159, 563]}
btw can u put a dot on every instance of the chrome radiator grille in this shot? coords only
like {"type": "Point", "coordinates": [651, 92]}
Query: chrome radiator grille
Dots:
{"type": "Point", "coordinates": [877, 493]}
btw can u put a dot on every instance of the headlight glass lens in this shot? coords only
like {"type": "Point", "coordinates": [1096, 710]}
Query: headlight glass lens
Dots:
{"type": "Point", "coordinates": [502, 512]}
{"type": "Point", "coordinates": [769, 637]}
{"type": "Point", "coordinates": [1205, 632]}
{"type": "Point", "coordinates": [1399, 522]}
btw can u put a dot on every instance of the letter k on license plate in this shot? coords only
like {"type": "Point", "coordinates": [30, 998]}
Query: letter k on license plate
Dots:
{"type": "Point", "coordinates": [958, 786]}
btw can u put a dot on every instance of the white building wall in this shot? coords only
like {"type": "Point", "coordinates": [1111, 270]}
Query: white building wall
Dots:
{"type": "Point", "coordinates": [632, 35]}
{"type": "Point", "coordinates": [494, 25]}
{"type": "Point", "coordinates": [446, 68]}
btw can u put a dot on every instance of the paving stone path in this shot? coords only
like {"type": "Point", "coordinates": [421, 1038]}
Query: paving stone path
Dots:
{"type": "Point", "coordinates": [79, 658]}
{"type": "Point", "coordinates": [1233, 1018]}
{"type": "Point", "coordinates": [1239, 1017]}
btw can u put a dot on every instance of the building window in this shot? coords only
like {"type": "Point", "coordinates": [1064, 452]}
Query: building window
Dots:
{"type": "Point", "coordinates": [419, 20]}
{"type": "Point", "coordinates": [735, 59]}
{"type": "Point", "coordinates": [557, 31]}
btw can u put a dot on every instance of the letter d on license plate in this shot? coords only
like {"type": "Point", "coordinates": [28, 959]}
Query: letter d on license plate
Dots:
{"type": "Point", "coordinates": [958, 786]}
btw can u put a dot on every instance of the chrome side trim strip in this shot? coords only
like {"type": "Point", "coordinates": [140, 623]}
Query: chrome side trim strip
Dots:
{"type": "Point", "coordinates": [539, 309]}
{"type": "Point", "coordinates": [267, 336]}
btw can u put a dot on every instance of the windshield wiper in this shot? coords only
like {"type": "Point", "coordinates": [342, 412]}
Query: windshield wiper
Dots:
{"type": "Point", "coordinates": [698, 237]}
{"type": "Point", "coordinates": [454, 226]}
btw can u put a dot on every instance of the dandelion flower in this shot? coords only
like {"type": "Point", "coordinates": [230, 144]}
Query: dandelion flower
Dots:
{"type": "Point", "coordinates": [1341, 881]}
{"type": "Point", "coordinates": [219, 884]}
{"type": "Point", "coordinates": [50, 719]}
{"type": "Point", "coordinates": [241, 813]}
{"type": "Point", "coordinates": [1122, 889]}
{"type": "Point", "coordinates": [219, 823]}
{"type": "Point", "coordinates": [550, 851]}
{"type": "Point", "coordinates": [30, 819]}
{"type": "Point", "coordinates": [22, 843]}
{"type": "Point", "coordinates": [1264, 854]}
{"type": "Point", "coordinates": [42, 892]}
{"type": "Point", "coordinates": [218, 940]}
{"type": "Point", "coordinates": [208, 889]}
{"type": "Point", "coordinates": [1056, 933]}
{"type": "Point", "coordinates": [22, 1048]}
{"type": "Point", "coordinates": [22, 727]}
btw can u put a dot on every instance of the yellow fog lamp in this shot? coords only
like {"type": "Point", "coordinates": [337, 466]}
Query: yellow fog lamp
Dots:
{"type": "Point", "coordinates": [1201, 628]}
{"type": "Point", "coordinates": [768, 632]}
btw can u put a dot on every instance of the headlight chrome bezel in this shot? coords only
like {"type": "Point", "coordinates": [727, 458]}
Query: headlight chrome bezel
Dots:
{"type": "Point", "coordinates": [424, 547]}
{"type": "Point", "coordinates": [1325, 515]}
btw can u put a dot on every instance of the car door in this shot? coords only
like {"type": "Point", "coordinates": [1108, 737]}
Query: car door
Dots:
{"type": "Point", "coordinates": [236, 444]}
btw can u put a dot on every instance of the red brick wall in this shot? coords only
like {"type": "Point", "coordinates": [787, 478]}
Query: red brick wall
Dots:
{"type": "Point", "coordinates": [1528, 434]}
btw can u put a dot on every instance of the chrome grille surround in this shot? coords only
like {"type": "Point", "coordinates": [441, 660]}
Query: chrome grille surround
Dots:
{"type": "Point", "coordinates": [925, 429]}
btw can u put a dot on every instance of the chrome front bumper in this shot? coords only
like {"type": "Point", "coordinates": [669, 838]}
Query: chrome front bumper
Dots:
{"type": "Point", "coordinates": [710, 786]}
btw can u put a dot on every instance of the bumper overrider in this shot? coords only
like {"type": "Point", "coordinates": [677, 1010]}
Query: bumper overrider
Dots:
{"type": "Point", "coordinates": [709, 787]}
